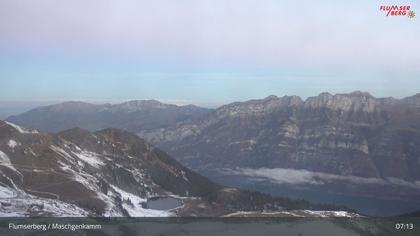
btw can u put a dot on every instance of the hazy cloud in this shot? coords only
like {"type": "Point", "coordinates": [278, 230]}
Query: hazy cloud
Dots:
{"type": "Point", "coordinates": [302, 34]}
{"type": "Point", "coordinates": [294, 176]}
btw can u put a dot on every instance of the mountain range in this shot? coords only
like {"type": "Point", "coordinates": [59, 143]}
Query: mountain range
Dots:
{"type": "Point", "coordinates": [347, 144]}
{"type": "Point", "coordinates": [349, 134]}
{"type": "Point", "coordinates": [352, 142]}
{"type": "Point", "coordinates": [135, 116]}
{"type": "Point", "coordinates": [345, 134]}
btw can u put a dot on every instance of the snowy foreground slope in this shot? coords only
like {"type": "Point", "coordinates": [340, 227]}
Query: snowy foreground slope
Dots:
{"type": "Point", "coordinates": [116, 173]}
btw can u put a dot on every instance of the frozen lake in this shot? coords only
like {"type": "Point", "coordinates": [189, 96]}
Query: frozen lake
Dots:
{"type": "Point", "coordinates": [163, 203]}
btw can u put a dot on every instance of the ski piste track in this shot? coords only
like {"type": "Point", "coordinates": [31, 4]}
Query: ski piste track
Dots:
{"type": "Point", "coordinates": [18, 193]}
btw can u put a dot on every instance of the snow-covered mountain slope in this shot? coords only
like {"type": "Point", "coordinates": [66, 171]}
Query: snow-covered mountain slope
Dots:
{"type": "Point", "coordinates": [16, 203]}
{"type": "Point", "coordinates": [109, 173]}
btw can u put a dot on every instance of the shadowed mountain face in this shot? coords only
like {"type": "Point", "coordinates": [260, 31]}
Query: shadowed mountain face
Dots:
{"type": "Point", "coordinates": [328, 148]}
{"type": "Point", "coordinates": [109, 173]}
{"type": "Point", "coordinates": [133, 115]}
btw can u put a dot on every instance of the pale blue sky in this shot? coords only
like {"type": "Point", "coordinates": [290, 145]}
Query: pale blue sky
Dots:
{"type": "Point", "coordinates": [205, 52]}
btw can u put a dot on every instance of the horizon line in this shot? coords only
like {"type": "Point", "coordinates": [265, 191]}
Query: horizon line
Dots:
{"type": "Point", "coordinates": [183, 102]}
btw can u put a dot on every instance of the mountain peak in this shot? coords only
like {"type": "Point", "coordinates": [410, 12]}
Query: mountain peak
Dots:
{"type": "Point", "coordinates": [289, 100]}
{"type": "Point", "coordinates": [133, 115]}
{"type": "Point", "coordinates": [150, 102]}
{"type": "Point", "coordinates": [137, 105]}
{"type": "Point", "coordinates": [412, 100]}
{"type": "Point", "coordinates": [356, 100]}
{"type": "Point", "coordinates": [271, 97]}
{"type": "Point", "coordinates": [70, 106]}
{"type": "Point", "coordinates": [325, 94]}
{"type": "Point", "coordinates": [359, 93]}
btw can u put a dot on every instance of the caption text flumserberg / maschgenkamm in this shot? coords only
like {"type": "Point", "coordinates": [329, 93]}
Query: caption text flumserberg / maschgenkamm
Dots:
{"type": "Point", "coordinates": [54, 226]}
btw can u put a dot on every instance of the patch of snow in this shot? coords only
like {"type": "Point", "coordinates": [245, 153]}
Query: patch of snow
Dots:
{"type": "Point", "coordinates": [15, 188]}
{"type": "Point", "coordinates": [90, 182]}
{"type": "Point", "coordinates": [341, 214]}
{"type": "Point", "coordinates": [329, 213]}
{"type": "Point", "coordinates": [113, 212]}
{"type": "Point", "coordinates": [30, 151]}
{"type": "Point", "coordinates": [31, 206]}
{"type": "Point", "coordinates": [6, 192]}
{"type": "Point", "coordinates": [90, 158]}
{"type": "Point", "coordinates": [5, 161]}
{"type": "Point", "coordinates": [230, 190]}
{"type": "Point", "coordinates": [85, 179]}
{"type": "Point", "coordinates": [184, 176]}
{"type": "Point", "coordinates": [135, 209]}
{"type": "Point", "coordinates": [291, 213]}
{"type": "Point", "coordinates": [250, 142]}
{"type": "Point", "coordinates": [62, 153]}
{"type": "Point", "coordinates": [180, 197]}
{"type": "Point", "coordinates": [21, 129]}
{"type": "Point", "coordinates": [238, 213]}
{"type": "Point", "coordinates": [295, 213]}
{"type": "Point", "coordinates": [12, 143]}
{"type": "Point", "coordinates": [139, 176]}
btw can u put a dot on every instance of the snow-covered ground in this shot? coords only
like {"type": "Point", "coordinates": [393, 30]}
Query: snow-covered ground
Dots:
{"type": "Point", "coordinates": [14, 203]}
{"type": "Point", "coordinates": [5, 161]}
{"type": "Point", "coordinates": [15, 207]}
{"type": "Point", "coordinates": [293, 213]}
{"type": "Point", "coordinates": [21, 129]}
{"type": "Point", "coordinates": [90, 158]}
{"type": "Point", "coordinates": [133, 205]}
{"type": "Point", "coordinates": [12, 143]}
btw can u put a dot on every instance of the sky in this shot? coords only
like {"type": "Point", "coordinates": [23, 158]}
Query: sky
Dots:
{"type": "Point", "coordinates": [206, 52]}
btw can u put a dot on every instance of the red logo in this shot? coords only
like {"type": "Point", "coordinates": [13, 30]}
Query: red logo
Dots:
{"type": "Point", "coordinates": [398, 10]}
{"type": "Point", "coordinates": [411, 14]}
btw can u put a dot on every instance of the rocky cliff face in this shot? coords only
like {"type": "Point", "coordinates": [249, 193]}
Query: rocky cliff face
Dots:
{"type": "Point", "coordinates": [345, 134]}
